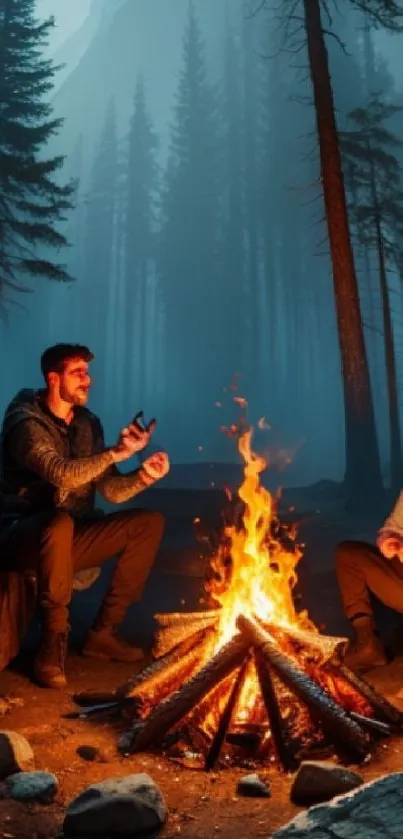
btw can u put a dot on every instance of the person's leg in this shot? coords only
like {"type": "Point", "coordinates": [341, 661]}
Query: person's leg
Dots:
{"type": "Point", "coordinates": [134, 536]}
{"type": "Point", "coordinates": [362, 570]}
{"type": "Point", "coordinates": [43, 544]}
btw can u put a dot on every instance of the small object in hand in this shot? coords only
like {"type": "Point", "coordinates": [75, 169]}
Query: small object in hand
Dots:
{"type": "Point", "coordinates": [138, 422]}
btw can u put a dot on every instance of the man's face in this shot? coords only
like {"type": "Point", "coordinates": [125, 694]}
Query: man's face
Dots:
{"type": "Point", "coordinates": [74, 382]}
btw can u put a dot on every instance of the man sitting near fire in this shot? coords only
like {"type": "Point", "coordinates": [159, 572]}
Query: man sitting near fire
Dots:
{"type": "Point", "coordinates": [54, 459]}
{"type": "Point", "coordinates": [362, 570]}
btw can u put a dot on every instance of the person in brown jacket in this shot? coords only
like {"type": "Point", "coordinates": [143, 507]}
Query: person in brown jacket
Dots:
{"type": "Point", "coordinates": [363, 569]}
{"type": "Point", "coordinates": [54, 460]}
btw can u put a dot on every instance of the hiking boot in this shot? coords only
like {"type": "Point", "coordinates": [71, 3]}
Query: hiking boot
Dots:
{"type": "Point", "coordinates": [366, 651]}
{"type": "Point", "coordinates": [49, 663]}
{"type": "Point", "coordinates": [106, 643]}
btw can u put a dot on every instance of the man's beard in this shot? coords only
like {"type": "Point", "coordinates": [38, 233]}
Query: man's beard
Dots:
{"type": "Point", "coordinates": [79, 397]}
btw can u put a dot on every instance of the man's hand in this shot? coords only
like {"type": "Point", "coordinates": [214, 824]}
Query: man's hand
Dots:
{"type": "Point", "coordinates": [156, 466]}
{"type": "Point", "coordinates": [391, 546]}
{"type": "Point", "coordinates": [129, 444]}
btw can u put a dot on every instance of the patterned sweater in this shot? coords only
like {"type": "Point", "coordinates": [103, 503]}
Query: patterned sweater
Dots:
{"type": "Point", "coordinates": [51, 464]}
{"type": "Point", "coordinates": [393, 525]}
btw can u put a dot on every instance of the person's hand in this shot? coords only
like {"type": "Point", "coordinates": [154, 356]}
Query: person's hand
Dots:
{"type": "Point", "coordinates": [128, 444]}
{"type": "Point", "coordinates": [391, 546]}
{"type": "Point", "coordinates": [156, 466]}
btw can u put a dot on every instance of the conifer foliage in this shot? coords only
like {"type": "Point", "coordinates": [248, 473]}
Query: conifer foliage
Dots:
{"type": "Point", "coordinates": [32, 201]}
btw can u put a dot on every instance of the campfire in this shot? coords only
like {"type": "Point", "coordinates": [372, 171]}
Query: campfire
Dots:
{"type": "Point", "coordinates": [251, 679]}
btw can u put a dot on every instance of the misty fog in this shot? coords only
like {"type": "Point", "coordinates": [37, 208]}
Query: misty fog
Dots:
{"type": "Point", "coordinates": [220, 288]}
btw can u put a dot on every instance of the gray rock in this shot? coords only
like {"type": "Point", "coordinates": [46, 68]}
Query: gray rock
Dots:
{"type": "Point", "coordinates": [16, 754]}
{"type": "Point", "coordinates": [32, 786]}
{"type": "Point", "coordinates": [118, 806]}
{"type": "Point", "coordinates": [370, 812]}
{"type": "Point", "coordinates": [253, 786]}
{"type": "Point", "coordinates": [320, 780]}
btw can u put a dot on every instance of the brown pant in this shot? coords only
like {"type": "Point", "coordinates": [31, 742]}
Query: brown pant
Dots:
{"type": "Point", "coordinates": [361, 569]}
{"type": "Point", "coordinates": [55, 546]}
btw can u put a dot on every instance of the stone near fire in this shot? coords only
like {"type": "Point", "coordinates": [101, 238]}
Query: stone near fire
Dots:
{"type": "Point", "coordinates": [88, 752]}
{"type": "Point", "coordinates": [32, 786]}
{"type": "Point", "coordinates": [119, 806]}
{"type": "Point", "coordinates": [320, 780]}
{"type": "Point", "coordinates": [16, 754]}
{"type": "Point", "coordinates": [372, 811]}
{"type": "Point", "coordinates": [253, 786]}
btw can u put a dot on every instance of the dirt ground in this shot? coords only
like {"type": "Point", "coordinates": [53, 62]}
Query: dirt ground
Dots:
{"type": "Point", "coordinates": [200, 805]}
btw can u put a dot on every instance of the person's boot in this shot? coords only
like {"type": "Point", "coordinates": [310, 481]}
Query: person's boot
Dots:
{"type": "Point", "coordinates": [49, 664]}
{"type": "Point", "coordinates": [105, 642]}
{"type": "Point", "coordinates": [366, 651]}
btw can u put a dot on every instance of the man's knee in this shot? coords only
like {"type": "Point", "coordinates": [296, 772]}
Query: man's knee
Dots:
{"type": "Point", "coordinates": [354, 554]}
{"type": "Point", "coordinates": [150, 521]}
{"type": "Point", "coordinates": [59, 527]}
{"type": "Point", "coordinates": [344, 551]}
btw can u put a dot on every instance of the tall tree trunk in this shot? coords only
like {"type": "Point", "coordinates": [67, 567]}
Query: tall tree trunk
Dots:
{"type": "Point", "coordinates": [363, 474]}
{"type": "Point", "coordinates": [389, 348]}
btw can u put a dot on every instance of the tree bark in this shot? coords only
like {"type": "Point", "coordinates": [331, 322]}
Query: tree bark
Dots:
{"type": "Point", "coordinates": [363, 473]}
{"type": "Point", "coordinates": [389, 346]}
{"type": "Point", "coordinates": [17, 606]}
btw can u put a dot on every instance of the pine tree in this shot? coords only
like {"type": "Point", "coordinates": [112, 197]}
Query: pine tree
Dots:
{"type": "Point", "coordinates": [32, 202]}
{"type": "Point", "coordinates": [251, 170]}
{"type": "Point", "coordinates": [140, 200]}
{"type": "Point", "coordinates": [99, 245]}
{"type": "Point", "coordinates": [362, 454]}
{"type": "Point", "coordinates": [233, 188]}
{"type": "Point", "coordinates": [374, 177]}
{"type": "Point", "coordinates": [188, 241]}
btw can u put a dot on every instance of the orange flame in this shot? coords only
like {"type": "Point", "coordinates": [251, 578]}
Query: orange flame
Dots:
{"type": "Point", "coordinates": [253, 573]}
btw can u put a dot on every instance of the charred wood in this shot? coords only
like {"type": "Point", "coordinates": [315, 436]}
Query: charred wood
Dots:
{"type": "Point", "coordinates": [283, 751]}
{"type": "Point", "coordinates": [384, 709]}
{"type": "Point", "coordinates": [323, 647]}
{"type": "Point", "coordinates": [175, 665]}
{"type": "Point", "coordinates": [176, 619]}
{"type": "Point", "coordinates": [172, 709]}
{"type": "Point", "coordinates": [94, 697]}
{"type": "Point", "coordinates": [334, 719]}
{"type": "Point", "coordinates": [169, 635]}
{"type": "Point", "coordinates": [225, 721]}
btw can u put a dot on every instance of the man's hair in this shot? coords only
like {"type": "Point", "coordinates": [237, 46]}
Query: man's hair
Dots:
{"type": "Point", "coordinates": [53, 359]}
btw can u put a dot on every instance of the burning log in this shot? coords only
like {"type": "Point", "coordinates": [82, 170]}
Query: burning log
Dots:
{"type": "Point", "coordinates": [225, 721]}
{"type": "Point", "coordinates": [383, 708]}
{"type": "Point", "coordinates": [177, 619]}
{"type": "Point", "coordinates": [334, 719]}
{"type": "Point", "coordinates": [172, 667]}
{"type": "Point", "coordinates": [172, 709]}
{"type": "Point", "coordinates": [327, 647]}
{"type": "Point", "coordinates": [284, 753]}
{"type": "Point", "coordinates": [175, 628]}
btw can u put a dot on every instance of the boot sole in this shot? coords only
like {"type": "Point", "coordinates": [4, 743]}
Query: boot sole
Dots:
{"type": "Point", "coordinates": [42, 684]}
